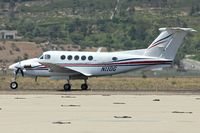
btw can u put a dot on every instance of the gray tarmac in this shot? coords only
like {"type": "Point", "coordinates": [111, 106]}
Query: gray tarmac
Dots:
{"type": "Point", "coordinates": [97, 112]}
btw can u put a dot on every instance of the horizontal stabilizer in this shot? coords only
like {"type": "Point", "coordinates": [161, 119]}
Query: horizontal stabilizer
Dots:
{"type": "Point", "coordinates": [178, 29]}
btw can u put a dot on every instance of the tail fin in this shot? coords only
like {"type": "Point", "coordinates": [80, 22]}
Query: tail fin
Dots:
{"type": "Point", "coordinates": [167, 43]}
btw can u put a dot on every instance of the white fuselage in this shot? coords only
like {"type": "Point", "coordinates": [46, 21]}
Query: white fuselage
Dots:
{"type": "Point", "coordinates": [89, 63]}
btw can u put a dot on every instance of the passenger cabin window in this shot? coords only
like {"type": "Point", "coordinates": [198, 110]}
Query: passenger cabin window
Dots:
{"type": "Point", "coordinates": [76, 57]}
{"type": "Point", "coordinates": [47, 56]}
{"type": "Point", "coordinates": [69, 57]}
{"type": "Point", "coordinates": [114, 58]}
{"type": "Point", "coordinates": [83, 57]}
{"type": "Point", "coordinates": [62, 57]}
{"type": "Point", "coordinates": [90, 58]}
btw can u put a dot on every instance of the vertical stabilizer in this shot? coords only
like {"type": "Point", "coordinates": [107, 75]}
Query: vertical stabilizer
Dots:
{"type": "Point", "coordinates": [167, 43]}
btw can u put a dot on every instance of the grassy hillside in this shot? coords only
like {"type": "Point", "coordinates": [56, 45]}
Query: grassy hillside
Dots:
{"type": "Point", "coordinates": [123, 24]}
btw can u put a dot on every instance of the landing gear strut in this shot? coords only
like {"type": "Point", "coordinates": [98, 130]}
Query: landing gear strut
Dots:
{"type": "Point", "coordinates": [85, 85]}
{"type": "Point", "coordinates": [67, 87]}
{"type": "Point", "coordinates": [14, 84]}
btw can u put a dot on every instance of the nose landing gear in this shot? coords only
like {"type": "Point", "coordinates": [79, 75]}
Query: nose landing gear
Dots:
{"type": "Point", "coordinates": [14, 85]}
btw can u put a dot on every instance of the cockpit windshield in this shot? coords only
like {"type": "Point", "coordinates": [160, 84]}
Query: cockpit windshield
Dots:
{"type": "Point", "coordinates": [45, 56]}
{"type": "Point", "coordinates": [41, 57]}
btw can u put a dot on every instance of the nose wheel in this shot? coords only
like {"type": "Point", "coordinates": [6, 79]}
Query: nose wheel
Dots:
{"type": "Point", "coordinates": [13, 85]}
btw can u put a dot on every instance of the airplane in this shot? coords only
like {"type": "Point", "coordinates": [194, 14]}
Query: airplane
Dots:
{"type": "Point", "coordinates": [71, 65]}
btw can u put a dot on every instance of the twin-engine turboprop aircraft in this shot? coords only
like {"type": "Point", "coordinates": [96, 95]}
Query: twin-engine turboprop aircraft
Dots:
{"type": "Point", "coordinates": [69, 65]}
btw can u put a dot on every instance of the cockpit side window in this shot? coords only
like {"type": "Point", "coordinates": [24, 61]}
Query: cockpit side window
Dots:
{"type": "Point", "coordinates": [47, 56]}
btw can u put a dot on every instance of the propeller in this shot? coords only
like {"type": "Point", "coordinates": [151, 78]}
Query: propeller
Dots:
{"type": "Point", "coordinates": [19, 70]}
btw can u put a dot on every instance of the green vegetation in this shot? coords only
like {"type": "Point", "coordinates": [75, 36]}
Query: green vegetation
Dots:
{"type": "Point", "coordinates": [123, 24]}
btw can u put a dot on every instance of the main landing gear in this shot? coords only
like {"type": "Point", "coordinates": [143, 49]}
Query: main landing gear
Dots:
{"type": "Point", "coordinates": [85, 85]}
{"type": "Point", "coordinates": [67, 87]}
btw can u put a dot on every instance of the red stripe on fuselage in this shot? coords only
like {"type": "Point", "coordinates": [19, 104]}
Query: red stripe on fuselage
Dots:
{"type": "Point", "coordinates": [107, 64]}
{"type": "Point", "coordinates": [120, 63]}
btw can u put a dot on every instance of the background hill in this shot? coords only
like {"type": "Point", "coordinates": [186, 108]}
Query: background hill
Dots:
{"type": "Point", "coordinates": [114, 24]}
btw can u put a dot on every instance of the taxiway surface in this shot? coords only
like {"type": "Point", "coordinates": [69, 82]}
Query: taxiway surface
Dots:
{"type": "Point", "coordinates": [99, 113]}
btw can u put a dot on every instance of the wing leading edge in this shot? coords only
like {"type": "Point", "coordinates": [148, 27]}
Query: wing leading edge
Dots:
{"type": "Point", "coordinates": [63, 69]}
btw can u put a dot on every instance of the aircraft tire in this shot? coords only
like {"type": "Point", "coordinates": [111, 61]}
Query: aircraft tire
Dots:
{"type": "Point", "coordinates": [14, 85]}
{"type": "Point", "coordinates": [67, 87]}
{"type": "Point", "coordinates": [84, 86]}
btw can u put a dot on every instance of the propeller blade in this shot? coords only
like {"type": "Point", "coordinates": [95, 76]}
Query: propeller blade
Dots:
{"type": "Point", "coordinates": [22, 72]}
{"type": "Point", "coordinates": [17, 71]}
{"type": "Point", "coordinates": [19, 68]}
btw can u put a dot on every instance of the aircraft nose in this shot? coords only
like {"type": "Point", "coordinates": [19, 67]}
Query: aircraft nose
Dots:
{"type": "Point", "coordinates": [22, 64]}
{"type": "Point", "coordinates": [15, 66]}
{"type": "Point", "coordinates": [12, 67]}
